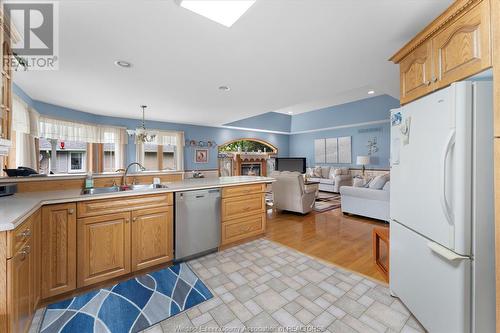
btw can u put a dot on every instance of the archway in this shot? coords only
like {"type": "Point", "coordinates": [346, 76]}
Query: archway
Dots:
{"type": "Point", "coordinates": [248, 145]}
{"type": "Point", "coordinates": [246, 156]}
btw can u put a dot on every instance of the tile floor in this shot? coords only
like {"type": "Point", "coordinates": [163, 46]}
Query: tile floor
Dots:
{"type": "Point", "coordinates": [262, 285]}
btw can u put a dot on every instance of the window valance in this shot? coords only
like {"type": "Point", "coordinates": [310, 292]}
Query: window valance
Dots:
{"type": "Point", "coordinates": [51, 128]}
{"type": "Point", "coordinates": [169, 138]}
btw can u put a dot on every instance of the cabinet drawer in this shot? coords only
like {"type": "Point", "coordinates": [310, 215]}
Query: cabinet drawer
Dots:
{"type": "Point", "coordinates": [236, 207]}
{"type": "Point", "coordinates": [235, 191]}
{"type": "Point", "coordinates": [463, 48]}
{"type": "Point", "coordinates": [17, 237]}
{"type": "Point", "coordinates": [125, 204]}
{"type": "Point", "coordinates": [246, 227]}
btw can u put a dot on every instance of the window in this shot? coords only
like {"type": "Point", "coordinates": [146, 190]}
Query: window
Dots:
{"type": "Point", "coordinates": [151, 157]}
{"type": "Point", "coordinates": [62, 157]}
{"type": "Point", "coordinates": [166, 153]}
{"type": "Point", "coordinates": [70, 147]}
{"type": "Point", "coordinates": [109, 163]}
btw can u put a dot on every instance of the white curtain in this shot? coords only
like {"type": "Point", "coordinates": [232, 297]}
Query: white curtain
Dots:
{"type": "Point", "coordinates": [24, 124]}
{"type": "Point", "coordinates": [51, 128]}
{"type": "Point", "coordinates": [20, 116]}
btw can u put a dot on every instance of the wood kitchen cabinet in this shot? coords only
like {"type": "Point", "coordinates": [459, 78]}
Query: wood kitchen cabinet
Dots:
{"type": "Point", "coordinates": [119, 236]}
{"type": "Point", "coordinates": [103, 248]}
{"type": "Point", "coordinates": [58, 249]}
{"type": "Point", "coordinates": [416, 73]}
{"type": "Point", "coordinates": [456, 45]}
{"type": "Point", "coordinates": [243, 213]}
{"type": "Point", "coordinates": [241, 206]}
{"type": "Point", "coordinates": [463, 48]}
{"type": "Point", "coordinates": [23, 287]}
{"type": "Point", "coordinates": [20, 288]}
{"type": "Point", "coordinates": [152, 237]}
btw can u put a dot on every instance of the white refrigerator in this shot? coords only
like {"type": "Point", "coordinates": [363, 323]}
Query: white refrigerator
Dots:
{"type": "Point", "coordinates": [442, 209]}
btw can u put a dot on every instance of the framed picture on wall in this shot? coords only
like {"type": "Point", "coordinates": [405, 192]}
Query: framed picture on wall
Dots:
{"type": "Point", "coordinates": [319, 151]}
{"type": "Point", "coordinates": [344, 150]}
{"type": "Point", "coordinates": [201, 156]}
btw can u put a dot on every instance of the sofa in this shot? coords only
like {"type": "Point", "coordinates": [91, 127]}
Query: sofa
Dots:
{"type": "Point", "coordinates": [330, 178]}
{"type": "Point", "coordinates": [369, 200]}
{"type": "Point", "coordinates": [290, 194]}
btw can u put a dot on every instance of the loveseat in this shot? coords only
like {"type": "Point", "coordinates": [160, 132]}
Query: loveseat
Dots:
{"type": "Point", "coordinates": [330, 178]}
{"type": "Point", "coordinates": [369, 200]}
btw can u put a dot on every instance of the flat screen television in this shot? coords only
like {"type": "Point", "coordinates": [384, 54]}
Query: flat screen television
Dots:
{"type": "Point", "coordinates": [291, 164]}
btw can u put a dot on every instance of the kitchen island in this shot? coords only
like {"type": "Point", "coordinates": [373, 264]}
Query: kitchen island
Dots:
{"type": "Point", "coordinates": [54, 244]}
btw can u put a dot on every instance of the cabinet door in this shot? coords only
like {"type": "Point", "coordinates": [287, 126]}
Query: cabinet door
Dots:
{"type": "Point", "coordinates": [152, 237]}
{"type": "Point", "coordinates": [103, 248]}
{"type": "Point", "coordinates": [36, 255]}
{"type": "Point", "coordinates": [20, 289]}
{"type": "Point", "coordinates": [416, 73]}
{"type": "Point", "coordinates": [58, 249]}
{"type": "Point", "coordinates": [463, 48]}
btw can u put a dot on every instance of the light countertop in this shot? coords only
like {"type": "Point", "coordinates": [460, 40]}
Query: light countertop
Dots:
{"type": "Point", "coordinates": [16, 208]}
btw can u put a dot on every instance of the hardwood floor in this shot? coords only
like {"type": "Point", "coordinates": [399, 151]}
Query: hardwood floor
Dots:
{"type": "Point", "coordinates": [343, 240]}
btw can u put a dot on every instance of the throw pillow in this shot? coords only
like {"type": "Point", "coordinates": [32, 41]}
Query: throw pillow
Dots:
{"type": "Point", "coordinates": [387, 186]}
{"type": "Point", "coordinates": [325, 172]}
{"type": "Point", "coordinates": [317, 172]}
{"type": "Point", "coordinates": [337, 172]}
{"type": "Point", "coordinates": [368, 181]}
{"type": "Point", "coordinates": [309, 172]}
{"type": "Point", "coordinates": [358, 182]}
{"type": "Point", "coordinates": [379, 182]}
{"type": "Point", "coordinates": [344, 171]}
{"type": "Point", "coordinates": [331, 175]}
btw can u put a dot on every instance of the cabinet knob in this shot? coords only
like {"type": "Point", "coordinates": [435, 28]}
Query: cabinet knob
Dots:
{"type": "Point", "coordinates": [127, 220]}
{"type": "Point", "coordinates": [428, 83]}
{"type": "Point", "coordinates": [26, 233]}
{"type": "Point", "coordinates": [71, 211]}
{"type": "Point", "coordinates": [25, 251]}
{"type": "Point", "coordinates": [134, 219]}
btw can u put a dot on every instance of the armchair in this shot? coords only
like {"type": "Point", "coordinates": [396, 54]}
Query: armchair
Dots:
{"type": "Point", "coordinates": [290, 194]}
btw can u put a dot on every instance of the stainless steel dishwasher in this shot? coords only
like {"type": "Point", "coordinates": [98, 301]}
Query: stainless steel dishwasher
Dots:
{"type": "Point", "coordinates": [197, 223]}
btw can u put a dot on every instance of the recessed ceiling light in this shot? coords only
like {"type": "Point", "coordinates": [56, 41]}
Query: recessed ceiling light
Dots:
{"type": "Point", "coordinates": [290, 112]}
{"type": "Point", "coordinates": [371, 92]}
{"type": "Point", "coordinates": [224, 88]}
{"type": "Point", "coordinates": [225, 12]}
{"type": "Point", "coordinates": [123, 63]}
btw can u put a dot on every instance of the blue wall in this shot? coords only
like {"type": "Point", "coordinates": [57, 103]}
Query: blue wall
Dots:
{"type": "Point", "coordinates": [302, 145]}
{"type": "Point", "coordinates": [346, 120]}
{"type": "Point", "coordinates": [271, 121]}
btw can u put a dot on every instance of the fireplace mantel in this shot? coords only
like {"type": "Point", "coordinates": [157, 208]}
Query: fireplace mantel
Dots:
{"type": "Point", "coordinates": [244, 159]}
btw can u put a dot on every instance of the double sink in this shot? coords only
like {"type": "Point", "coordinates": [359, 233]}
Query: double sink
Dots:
{"type": "Point", "coordinates": [114, 189]}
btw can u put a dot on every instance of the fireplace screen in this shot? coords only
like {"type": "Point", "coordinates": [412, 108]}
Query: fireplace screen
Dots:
{"type": "Point", "coordinates": [250, 169]}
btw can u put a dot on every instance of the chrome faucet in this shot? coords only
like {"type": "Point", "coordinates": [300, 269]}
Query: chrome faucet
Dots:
{"type": "Point", "coordinates": [124, 181]}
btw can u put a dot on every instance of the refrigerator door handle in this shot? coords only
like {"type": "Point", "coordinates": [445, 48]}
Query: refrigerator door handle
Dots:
{"type": "Point", "coordinates": [450, 141]}
{"type": "Point", "coordinates": [444, 252]}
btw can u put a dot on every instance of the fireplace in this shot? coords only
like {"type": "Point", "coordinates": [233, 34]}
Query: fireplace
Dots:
{"type": "Point", "coordinates": [251, 169]}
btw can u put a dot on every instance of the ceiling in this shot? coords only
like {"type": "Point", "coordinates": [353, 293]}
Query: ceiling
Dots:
{"type": "Point", "coordinates": [282, 55]}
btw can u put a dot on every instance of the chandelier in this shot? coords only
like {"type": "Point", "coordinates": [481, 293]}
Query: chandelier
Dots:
{"type": "Point", "coordinates": [142, 135]}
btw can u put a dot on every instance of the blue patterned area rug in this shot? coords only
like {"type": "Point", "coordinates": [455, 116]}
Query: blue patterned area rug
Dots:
{"type": "Point", "coordinates": [129, 306]}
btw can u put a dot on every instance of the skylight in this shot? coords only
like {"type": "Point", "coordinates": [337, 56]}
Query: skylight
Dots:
{"type": "Point", "coordinates": [225, 12]}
